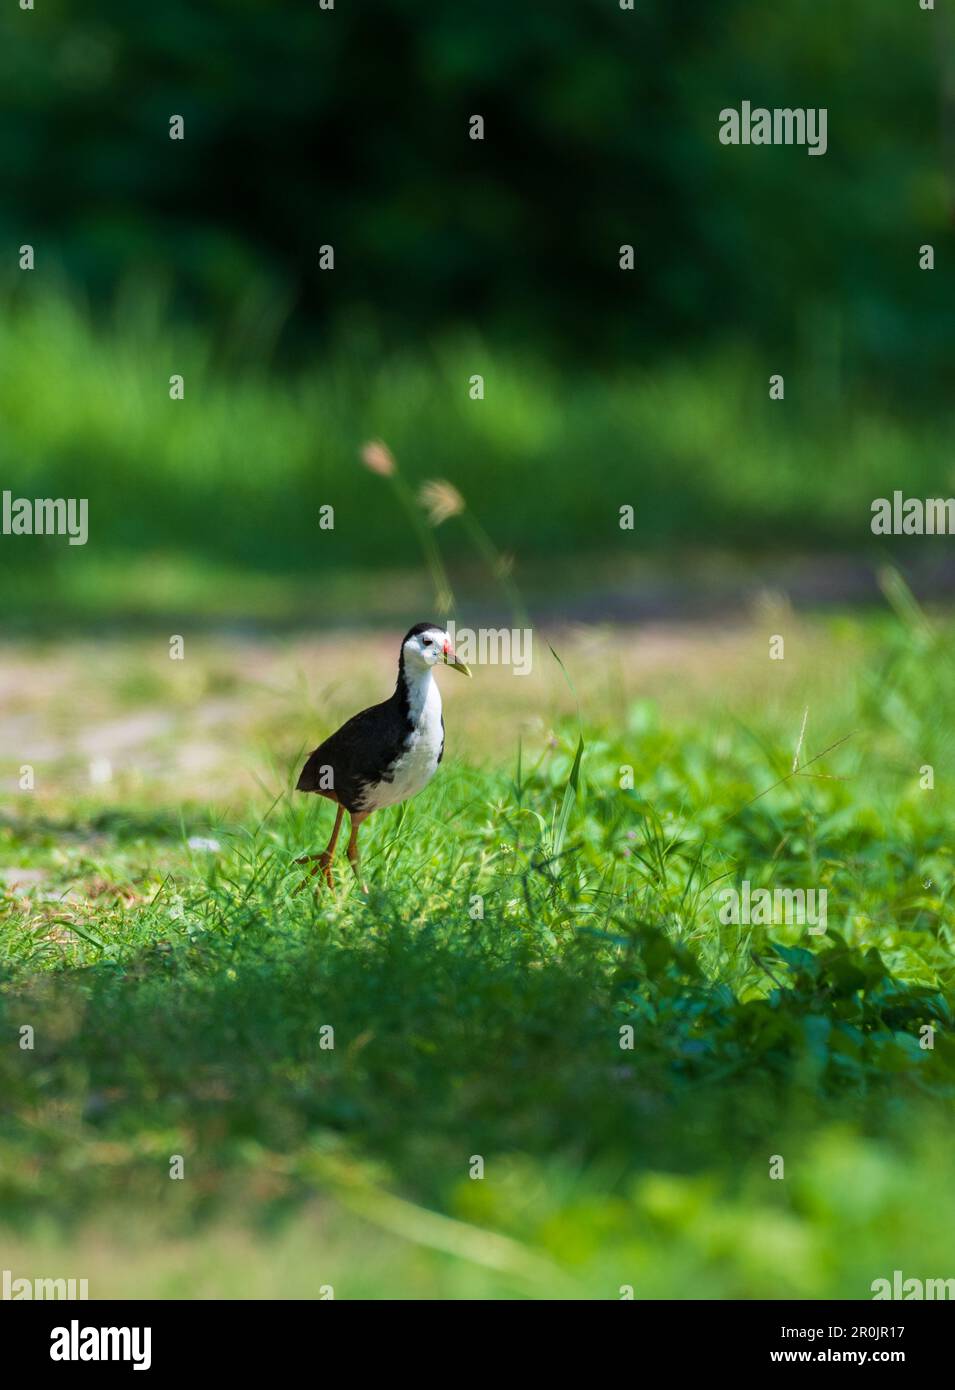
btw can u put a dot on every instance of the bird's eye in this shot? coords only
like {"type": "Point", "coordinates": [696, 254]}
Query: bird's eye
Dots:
{"type": "Point", "coordinates": [426, 642]}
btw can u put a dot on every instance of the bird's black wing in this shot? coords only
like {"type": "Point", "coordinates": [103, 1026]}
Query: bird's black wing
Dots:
{"type": "Point", "coordinates": [360, 753]}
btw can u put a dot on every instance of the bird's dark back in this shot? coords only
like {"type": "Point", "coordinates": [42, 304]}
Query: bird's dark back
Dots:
{"type": "Point", "coordinates": [359, 753]}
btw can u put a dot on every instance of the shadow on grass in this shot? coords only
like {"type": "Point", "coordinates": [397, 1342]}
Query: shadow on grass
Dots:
{"type": "Point", "coordinates": [415, 1048]}
{"type": "Point", "coordinates": [123, 826]}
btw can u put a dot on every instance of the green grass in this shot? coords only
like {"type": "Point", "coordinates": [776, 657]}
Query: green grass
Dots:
{"type": "Point", "coordinates": [210, 505]}
{"type": "Point", "coordinates": [178, 998]}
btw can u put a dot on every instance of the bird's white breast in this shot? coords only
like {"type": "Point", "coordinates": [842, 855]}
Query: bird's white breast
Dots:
{"type": "Point", "coordinates": [418, 762]}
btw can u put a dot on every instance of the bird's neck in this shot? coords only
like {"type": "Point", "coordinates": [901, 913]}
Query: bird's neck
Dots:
{"type": "Point", "coordinates": [419, 694]}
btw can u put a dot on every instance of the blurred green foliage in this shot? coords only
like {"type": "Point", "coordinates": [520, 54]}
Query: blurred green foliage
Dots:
{"type": "Point", "coordinates": [454, 257]}
{"type": "Point", "coordinates": [231, 479]}
{"type": "Point", "coordinates": [350, 127]}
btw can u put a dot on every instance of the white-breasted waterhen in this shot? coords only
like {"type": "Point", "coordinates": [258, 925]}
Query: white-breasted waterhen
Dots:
{"type": "Point", "coordinates": [386, 753]}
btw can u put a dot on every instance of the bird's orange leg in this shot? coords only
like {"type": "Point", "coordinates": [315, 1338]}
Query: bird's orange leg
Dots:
{"type": "Point", "coordinates": [353, 856]}
{"type": "Point", "coordinates": [324, 860]}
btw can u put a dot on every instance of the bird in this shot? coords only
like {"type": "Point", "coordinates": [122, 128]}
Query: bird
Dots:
{"type": "Point", "coordinates": [384, 754]}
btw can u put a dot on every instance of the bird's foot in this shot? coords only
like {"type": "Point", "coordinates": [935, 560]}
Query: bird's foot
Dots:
{"type": "Point", "coordinates": [323, 864]}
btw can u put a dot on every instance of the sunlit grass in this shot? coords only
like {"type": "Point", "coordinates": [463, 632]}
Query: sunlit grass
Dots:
{"type": "Point", "coordinates": [178, 992]}
{"type": "Point", "coordinates": [210, 506]}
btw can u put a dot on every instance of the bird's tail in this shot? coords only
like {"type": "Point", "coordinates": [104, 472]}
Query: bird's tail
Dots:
{"type": "Point", "coordinates": [311, 777]}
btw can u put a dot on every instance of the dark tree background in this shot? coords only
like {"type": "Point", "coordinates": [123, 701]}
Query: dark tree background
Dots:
{"type": "Point", "coordinates": [350, 126]}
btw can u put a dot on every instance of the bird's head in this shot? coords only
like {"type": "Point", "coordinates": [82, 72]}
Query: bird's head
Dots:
{"type": "Point", "coordinates": [428, 645]}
